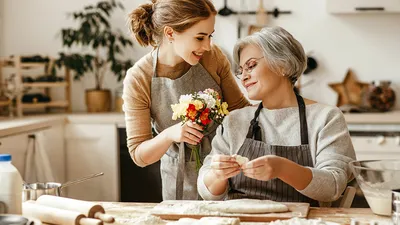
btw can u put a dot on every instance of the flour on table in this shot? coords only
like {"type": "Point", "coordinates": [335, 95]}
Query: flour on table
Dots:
{"type": "Point", "coordinates": [194, 208]}
{"type": "Point", "coordinates": [301, 221]}
{"type": "Point", "coordinates": [207, 221]}
{"type": "Point", "coordinates": [146, 219]}
{"type": "Point", "coordinates": [247, 206]}
{"type": "Point", "coordinates": [240, 159]}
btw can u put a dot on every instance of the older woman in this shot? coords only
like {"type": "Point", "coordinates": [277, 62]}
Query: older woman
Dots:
{"type": "Point", "coordinates": [298, 149]}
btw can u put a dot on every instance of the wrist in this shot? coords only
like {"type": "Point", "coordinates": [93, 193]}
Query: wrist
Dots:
{"type": "Point", "coordinates": [165, 135]}
{"type": "Point", "coordinates": [280, 163]}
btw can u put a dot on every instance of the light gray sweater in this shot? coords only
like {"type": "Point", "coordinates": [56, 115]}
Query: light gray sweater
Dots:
{"type": "Point", "coordinates": [330, 145]}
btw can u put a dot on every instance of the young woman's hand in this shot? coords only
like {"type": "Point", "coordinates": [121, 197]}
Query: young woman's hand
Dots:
{"type": "Point", "coordinates": [263, 168]}
{"type": "Point", "coordinates": [224, 167]}
{"type": "Point", "coordinates": [189, 132]}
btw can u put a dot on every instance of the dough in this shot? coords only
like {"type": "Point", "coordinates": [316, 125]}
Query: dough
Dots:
{"type": "Point", "coordinates": [301, 221]}
{"type": "Point", "coordinates": [241, 159]}
{"type": "Point", "coordinates": [207, 221]}
{"type": "Point", "coordinates": [248, 206]}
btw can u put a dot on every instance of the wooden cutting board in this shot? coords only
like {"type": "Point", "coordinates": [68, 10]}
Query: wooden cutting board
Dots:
{"type": "Point", "coordinates": [176, 209]}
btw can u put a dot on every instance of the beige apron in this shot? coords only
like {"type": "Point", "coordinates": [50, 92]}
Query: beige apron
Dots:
{"type": "Point", "coordinates": [253, 147]}
{"type": "Point", "coordinates": [178, 173]}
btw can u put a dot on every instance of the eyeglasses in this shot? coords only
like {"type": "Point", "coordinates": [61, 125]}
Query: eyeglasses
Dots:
{"type": "Point", "coordinates": [248, 67]}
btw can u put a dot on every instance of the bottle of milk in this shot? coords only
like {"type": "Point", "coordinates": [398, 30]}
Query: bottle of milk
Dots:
{"type": "Point", "coordinates": [10, 187]}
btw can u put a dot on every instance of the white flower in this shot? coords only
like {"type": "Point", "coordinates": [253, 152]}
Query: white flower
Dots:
{"type": "Point", "coordinates": [210, 101]}
{"type": "Point", "coordinates": [185, 98]}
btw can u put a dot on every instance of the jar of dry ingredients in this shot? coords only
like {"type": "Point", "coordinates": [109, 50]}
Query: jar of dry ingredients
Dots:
{"type": "Point", "coordinates": [381, 96]}
{"type": "Point", "coordinates": [118, 100]}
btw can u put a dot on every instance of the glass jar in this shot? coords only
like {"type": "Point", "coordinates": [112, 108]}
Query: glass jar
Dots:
{"type": "Point", "coordinates": [381, 96]}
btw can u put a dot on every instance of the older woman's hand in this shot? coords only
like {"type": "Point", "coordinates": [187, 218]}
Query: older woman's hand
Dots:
{"type": "Point", "coordinates": [224, 167]}
{"type": "Point", "coordinates": [263, 168]}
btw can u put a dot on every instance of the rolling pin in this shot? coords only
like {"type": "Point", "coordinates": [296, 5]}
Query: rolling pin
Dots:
{"type": "Point", "coordinates": [89, 209]}
{"type": "Point", "coordinates": [56, 216]}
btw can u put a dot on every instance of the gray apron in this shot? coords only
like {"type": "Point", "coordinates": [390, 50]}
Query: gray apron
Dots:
{"type": "Point", "coordinates": [253, 147]}
{"type": "Point", "coordinates": [178, 171]}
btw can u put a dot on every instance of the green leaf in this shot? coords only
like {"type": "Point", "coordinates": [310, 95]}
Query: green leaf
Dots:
{"type": "Point", "coordinates": [95, 32]}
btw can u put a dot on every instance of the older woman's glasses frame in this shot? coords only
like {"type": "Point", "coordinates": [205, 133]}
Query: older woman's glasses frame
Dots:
{"type": "Point", "coordinates": [247, 68]}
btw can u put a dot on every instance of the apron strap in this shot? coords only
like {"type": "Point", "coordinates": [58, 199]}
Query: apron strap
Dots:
{"type": "Point", "coordinates": [303, 120]}
{"type": "Point", "coordinates": [155, 57]}
{"type": "Point", "coordinates": [254, 129]}
{"type": "Point", "coordinates": [180, 172]}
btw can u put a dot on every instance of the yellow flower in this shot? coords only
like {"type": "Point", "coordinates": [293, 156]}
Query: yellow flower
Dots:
{"type": "Point", "coordinates": [218, 103]}
{"type": "Point", "coordinates": [225, 108]}
{"type": "Point", "coordinates": [198, 104]}
{"type": "Point", "coordinates": [179, 110]}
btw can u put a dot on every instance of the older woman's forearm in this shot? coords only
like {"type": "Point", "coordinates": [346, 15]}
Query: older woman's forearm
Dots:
{"type": "Point", "coordinates": [295, 175]}
{"type": "Point", "coordinates": [214, 185]}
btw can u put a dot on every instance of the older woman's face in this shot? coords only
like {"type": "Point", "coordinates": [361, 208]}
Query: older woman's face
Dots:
{"type": "Point", "coordinates": [258, 79]}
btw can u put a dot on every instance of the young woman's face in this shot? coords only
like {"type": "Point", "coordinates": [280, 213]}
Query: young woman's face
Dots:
{"type": "Point", "coordinates": [191, 44]}
{"type": "Point", "coordinates": [257, 77]}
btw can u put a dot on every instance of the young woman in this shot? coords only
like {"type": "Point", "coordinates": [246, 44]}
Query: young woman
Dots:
{"type": "Point", "coordinates": [298, 149]}
{"type": "Point", "coordinates": [183, 61]}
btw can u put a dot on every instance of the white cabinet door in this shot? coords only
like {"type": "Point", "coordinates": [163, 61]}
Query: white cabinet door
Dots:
{"type": "Point", "coordinates": [363, 6]}
{"type": "Point", "coordinates": [92, 148]}
{"type": "Point", "coordinates": [376, 148]}
{"type": "Point", "coordinates": [17, 146]}
{"type": "Point", "coordinates": [51, 141]}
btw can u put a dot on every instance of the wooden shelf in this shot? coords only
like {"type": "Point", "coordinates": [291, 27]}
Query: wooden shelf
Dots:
{"type": "Point", "coordinates": [20, 67]}
{"type": "Point", "coordinates": [11, 63]}
{"type": "Point", "coordinates": [4, 103]}
{"type": "Point", "coordinates": [52, 104]}
{"type": "Point", "coordinates": [45, 84]}
{"type": "Point", "coordinates": [32, 65]}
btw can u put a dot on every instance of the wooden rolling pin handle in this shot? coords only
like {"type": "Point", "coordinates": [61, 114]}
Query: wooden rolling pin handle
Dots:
{"type": "Point", "coordinates": [90, 221]}
{"type": "Point", "coordinates": [104, 217]}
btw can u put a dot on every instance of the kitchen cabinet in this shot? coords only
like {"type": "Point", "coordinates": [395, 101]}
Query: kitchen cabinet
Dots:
{"type": "Point", "coordinates": [363, 6]}
{"type": "Point", "coordinates": [92, 148]}
{"type": "Point", "coordinates": [377, 146]}
{"type": "Point", "coordinates": [17, 146]}
{"type": "Point", "coordinates": [52, 141]}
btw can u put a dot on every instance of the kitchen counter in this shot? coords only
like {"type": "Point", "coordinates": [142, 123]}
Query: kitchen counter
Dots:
{"type": "Point", "coordinates": [129, 213]}
{"type": "Point", "coordinates": [31, 123]}
{"type": "Point", "coordinates": [392, 117]}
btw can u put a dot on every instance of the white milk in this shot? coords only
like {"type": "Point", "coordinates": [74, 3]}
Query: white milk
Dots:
{"type": "Point", "coordinates": [10, 187]}
{"type": "Point", "coordinates": [380, 205]}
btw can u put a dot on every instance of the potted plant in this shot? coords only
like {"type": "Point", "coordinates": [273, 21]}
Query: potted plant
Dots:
{"type": "Point", "coordinates": [102, 51]}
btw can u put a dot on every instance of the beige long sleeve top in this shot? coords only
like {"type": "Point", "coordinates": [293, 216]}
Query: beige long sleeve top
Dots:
{"type": "Point", "coordinates": [137, 91]}
{"type": "Point", "coordinates": [329, 140]}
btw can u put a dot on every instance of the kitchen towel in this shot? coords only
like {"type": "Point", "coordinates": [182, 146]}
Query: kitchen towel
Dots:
{"type": "Point", "coordinates": [37, 165]}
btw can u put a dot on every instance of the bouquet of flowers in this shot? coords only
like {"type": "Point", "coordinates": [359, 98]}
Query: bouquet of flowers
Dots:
{"type": "Point", "coordinates": [203, 108]}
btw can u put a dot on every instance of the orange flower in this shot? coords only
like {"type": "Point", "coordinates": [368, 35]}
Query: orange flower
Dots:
{"type": "Point", "coordinates": [191, 112]}
{"type": "Point", "coordinates": [204, 117]}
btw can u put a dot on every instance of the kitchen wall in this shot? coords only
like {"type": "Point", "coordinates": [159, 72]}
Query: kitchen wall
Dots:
{"type": "Point", "coordinates": [369, 44]}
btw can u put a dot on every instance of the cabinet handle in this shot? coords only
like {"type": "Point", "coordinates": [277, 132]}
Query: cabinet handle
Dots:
{"type": "Point", "coordinates": [370, 9]}
{"type": "Point", "coordinates": [380, 140]}
{"type": "Point", "coordinates": [398, 140]}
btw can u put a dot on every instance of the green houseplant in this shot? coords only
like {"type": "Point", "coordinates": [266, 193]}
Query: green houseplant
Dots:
{"type": "Point", "coordinates": [102, 50]}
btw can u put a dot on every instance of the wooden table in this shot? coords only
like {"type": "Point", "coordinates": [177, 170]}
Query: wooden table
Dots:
{"type": "Point", "coordinates": [129, 213]}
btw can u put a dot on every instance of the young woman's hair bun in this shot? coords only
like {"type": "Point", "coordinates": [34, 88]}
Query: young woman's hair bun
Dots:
{"type": "Point", "coordinates": [141, 24]}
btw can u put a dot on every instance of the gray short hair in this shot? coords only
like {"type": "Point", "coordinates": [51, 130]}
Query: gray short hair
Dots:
{"type": "Point", "coordinates": [280, 49]}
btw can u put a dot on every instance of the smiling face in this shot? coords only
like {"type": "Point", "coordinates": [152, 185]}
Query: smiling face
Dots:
{"type": "Point", "coordinates": [261, 81]}
{"type": "Point", "coordinates": [191, 44]}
